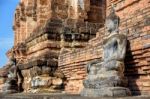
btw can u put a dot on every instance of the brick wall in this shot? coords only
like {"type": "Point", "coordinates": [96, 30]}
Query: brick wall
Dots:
{"type": "Point", "coordinates": [135, 22]}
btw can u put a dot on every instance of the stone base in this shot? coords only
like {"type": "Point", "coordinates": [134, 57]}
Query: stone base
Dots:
{"type": "Point", "coordinates": [106, 92]}
{"type": "Point", "coordinates": [45, 90]}
{"type": "Point", "coordinates": [10, 92]}
{"type": "Point", "coordinates": [8, 89]}
{"type": "Point", "coordinates": [60, 96]}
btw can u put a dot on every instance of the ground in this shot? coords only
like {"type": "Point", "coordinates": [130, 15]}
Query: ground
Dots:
{"type": "Point", "coordinates": [61, 96]}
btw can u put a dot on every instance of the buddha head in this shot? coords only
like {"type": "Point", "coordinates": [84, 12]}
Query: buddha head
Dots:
{"type": "Point", "coordinates": [112, 21]}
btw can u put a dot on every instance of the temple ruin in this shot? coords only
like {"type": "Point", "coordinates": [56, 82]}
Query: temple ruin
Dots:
{"type": "Point", "coordinates": [54, 40]}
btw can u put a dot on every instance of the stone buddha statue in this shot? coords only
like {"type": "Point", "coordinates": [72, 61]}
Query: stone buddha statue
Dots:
{"type": "Point", "coordinates": [11, 84]}
{"type": "Point", "coordinates": [106, 76]}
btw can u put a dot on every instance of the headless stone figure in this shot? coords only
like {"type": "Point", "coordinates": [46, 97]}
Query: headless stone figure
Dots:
{"type": "Point", "coordinates": [106, 76]}
{"type": "Point", "coordinates": [11, 84]}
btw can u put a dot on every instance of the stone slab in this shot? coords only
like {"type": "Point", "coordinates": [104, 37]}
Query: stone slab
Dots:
{"type": "Point", "coordinates": [106, 92]}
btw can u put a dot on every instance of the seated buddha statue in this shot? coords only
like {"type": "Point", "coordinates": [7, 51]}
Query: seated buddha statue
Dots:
{"type": "Point", "coordinates": [106, 76]}
{"type": "Point", "coordinates": [11, 84]}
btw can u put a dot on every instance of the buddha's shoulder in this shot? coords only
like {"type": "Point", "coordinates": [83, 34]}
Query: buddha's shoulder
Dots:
{"type": "Point", "coordinates": [114, 36]}
{"type": "Point", "coordinates": [118, 36]}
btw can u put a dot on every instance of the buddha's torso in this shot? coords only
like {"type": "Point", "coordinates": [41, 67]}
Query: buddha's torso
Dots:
{"type": "Point", "coordinates": [111, 46]}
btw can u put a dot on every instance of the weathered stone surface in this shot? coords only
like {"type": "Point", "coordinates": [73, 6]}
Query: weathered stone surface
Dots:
{"type": "Point", "coordinates": [106, 77]}
{"type": "Point", "coordinates": [41, 82]}
{"type": "Point", "coordinates": [106, 92]}
{"type": "Point", "coordinates": [57, 81]}
{"type": "Point", "coordinates": [37, 37]}
{"type": "Point", "coordinates": [137, 59]}
{"type": "Point", "coordinates": [42, 29]}
{"type": "Point", "coordinates": [11, 83]}
{"type": "Point", "coordinates": [62, 96]}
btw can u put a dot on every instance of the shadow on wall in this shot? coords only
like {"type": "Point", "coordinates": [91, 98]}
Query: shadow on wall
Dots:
{"type": "Point", "coordinates": [131, 73]}
{"type": "Point", "coordinates": [21, 80]}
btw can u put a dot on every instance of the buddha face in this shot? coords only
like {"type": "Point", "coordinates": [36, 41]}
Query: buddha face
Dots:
{"type": "Point", "coordinates": [112, 22]}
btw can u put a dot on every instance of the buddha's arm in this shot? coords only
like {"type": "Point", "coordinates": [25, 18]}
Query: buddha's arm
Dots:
{"type": "Point", "coordinates": [119, 49]}
{"type": "Point", "coordinates": [122, 48]}
{"type": "Point", "coordinates": [88, 66]}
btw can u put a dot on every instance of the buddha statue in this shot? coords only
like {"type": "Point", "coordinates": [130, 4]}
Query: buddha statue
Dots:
{"type": "Point", "coordinates": [11, 84]}
{"type": "Point", "coordinates": [106, 76]}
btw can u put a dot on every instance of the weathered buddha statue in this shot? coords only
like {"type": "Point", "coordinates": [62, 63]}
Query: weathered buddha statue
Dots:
{"type": "Point", "coordinates": [11, 84]}
{"type": "Point", "coordinates": [106, 76]}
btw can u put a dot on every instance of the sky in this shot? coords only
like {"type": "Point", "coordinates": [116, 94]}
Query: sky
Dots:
{"type": "Point", "coordinates": [7, 8]}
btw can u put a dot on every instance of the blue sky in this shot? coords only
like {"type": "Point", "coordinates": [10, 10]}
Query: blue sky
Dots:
{"type": "Point", "coordinates": [7, 8]}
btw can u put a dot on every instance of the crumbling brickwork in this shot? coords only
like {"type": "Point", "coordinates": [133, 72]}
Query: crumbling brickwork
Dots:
{"type": "Point", "coordinates": [57, 38]}
{"type": "Point", "coordinates": [134, 23]}
{"type": "Point", "coordinates": [44, 29]}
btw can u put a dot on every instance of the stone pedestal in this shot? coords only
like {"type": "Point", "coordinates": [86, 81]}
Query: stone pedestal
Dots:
{"type": "Point", "coordinates": [106, 92]}
{"type": "Point", "coordinates": [46, 84]}
{"type": "Point", "coordinates": [10, 86]}
{"type": "Point", "coordinates": [106, 84]}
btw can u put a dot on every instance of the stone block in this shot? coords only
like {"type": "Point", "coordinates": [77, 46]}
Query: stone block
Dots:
{"type": "Point", "coordinates": [106, 92]}
{"type": "Point", "coordinates": [57, 81]}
